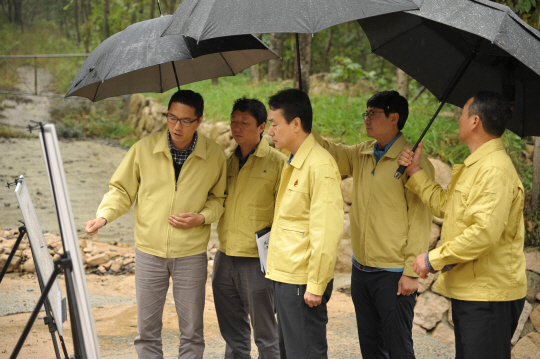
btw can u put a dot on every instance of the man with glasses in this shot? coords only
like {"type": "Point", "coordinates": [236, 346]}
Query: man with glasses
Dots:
{"type": "Point", "coordinates": [242, 294]}
{"type": "Point", "coordinates": [390, 226]}
{"type": "Point", "coordinates": [179, 180]}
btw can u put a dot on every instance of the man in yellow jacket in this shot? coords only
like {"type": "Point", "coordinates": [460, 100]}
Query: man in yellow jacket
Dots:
{"type": "Point", "coordinates": [307, 229]}
{"type": "Point", "coordinates": [179, 180]}
{"type": "Point", "coordinates": [481, 254]}
{"type": "Point", "coordinates": [241, 291]}
{"type": "Point", "coordinates": [390, 226]}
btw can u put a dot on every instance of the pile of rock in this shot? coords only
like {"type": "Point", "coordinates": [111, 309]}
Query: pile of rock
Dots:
{"type": "Point", "coordinates": [98, 257]}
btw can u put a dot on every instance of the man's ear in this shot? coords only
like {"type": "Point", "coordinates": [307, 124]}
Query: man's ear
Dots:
{"type": "Point", "coordinates": [394, 118]}
{"type": "Point", "coordinates": [262, 127]}
{"type": "Point", "coordinates": [476, 123]}
{"type": "Point", "coordinates": [297, 123]}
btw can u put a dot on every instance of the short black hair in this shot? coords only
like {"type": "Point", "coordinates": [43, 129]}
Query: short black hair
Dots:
{"type": "Point", "coordinates": [188, 98]}
{"type": "Point", "coordinates": [391, 102]}
{"type": "Point", "coordinates": [255, 107]}
{"type": "Point", "coordinates": [293, 103]}
{"type": "Point", "coordinates": [494, 111]}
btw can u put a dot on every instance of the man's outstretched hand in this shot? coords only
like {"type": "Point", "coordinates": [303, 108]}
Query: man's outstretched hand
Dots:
{"type": "Point", "coordinates": [93, 226]}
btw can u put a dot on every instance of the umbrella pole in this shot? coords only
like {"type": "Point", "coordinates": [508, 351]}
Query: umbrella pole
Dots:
{"type": "Point", "coordinates": [159, 6]}
{"type": "Point", "coordinates": [452, 86]}
{"type": "Point", "coordinates": [175, 75]}
{"type": "Point", "coordinates": [299, 69]}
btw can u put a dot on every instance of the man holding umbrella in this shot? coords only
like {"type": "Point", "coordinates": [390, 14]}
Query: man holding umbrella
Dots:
{"type": "Point", "coordinates": [481, 254]}
{"type": "Point", "coordinates": [390, 226]}
{"type": "Point", "coordinates": [179, 180]}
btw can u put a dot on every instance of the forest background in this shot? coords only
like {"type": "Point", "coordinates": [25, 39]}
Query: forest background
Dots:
{"type": "Point", "coordinates": [338, 69]}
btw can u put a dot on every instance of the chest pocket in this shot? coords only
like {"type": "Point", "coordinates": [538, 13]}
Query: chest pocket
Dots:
{"type": "Point", "coordinates": [259, 190]}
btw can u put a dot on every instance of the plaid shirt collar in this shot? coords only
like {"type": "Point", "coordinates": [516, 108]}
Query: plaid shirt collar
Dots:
{"type": "Point", "coordinates": [180, 156]}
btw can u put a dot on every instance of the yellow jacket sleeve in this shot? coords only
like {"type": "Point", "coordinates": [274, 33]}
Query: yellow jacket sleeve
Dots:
{"type": "Point", "coordinates": [419, 226]}
{"type": "Point", "coordinates": [485, 215]}
{"type": "Point", "coordinates": [343, 154]}
{"type": "Point", "coordinates": [213, 208]}
{"type": "Point", "coordinates": [325, 227]}
{"type": "Point", "coordinates": [429, 191]}
{"type": "Point", "coordinates": [123, 188]}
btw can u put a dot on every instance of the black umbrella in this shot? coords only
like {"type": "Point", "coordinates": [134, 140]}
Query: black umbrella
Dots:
{"type": "Point", "coordinates": [456, 48]}
{"type": "Point", "coordinates": [137, 60]}
{"type": "Point", "coordinates": [206, 19]}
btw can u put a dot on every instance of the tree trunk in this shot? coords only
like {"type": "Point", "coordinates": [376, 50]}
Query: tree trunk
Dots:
{"type": "Point", "coordinates": [215, 81]}
{"type": "Point", "coordinates": [105, 19]}
{"type": "Point", "coordinates": [326, 51]}
{"type": "Point", "coordinates": [305, 61]}
{"type": "Point", "coordinates": [254, 70]}
{"type": "Point", "coordinates": [274, 66]}
{"type": "Point", "coordinates": [152, 8]}
{"type": "Point", "coordinates": [17, 13]}
{"type": "Point", "coordinates": [172, 7]}
{"type": "Point", "coordinates": [76, 14]}
{"type": "Point", "coordinates": [402, 83]}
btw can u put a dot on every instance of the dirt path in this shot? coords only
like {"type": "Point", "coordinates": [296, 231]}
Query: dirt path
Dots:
{"type": "Point", "coordinates": [114, 310]}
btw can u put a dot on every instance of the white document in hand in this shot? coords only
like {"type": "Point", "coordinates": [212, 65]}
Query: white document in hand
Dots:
{"type": "Point", "coordinates": [263, 238]}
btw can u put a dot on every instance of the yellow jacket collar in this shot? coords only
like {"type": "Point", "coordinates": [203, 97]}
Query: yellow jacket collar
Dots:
{"type": "Point", "coordinates": [393, 152]}
{"type": "Point", "coordinates": [163, 145]}
{"type": "Point", "coordinates": [263, 148]}
{"type": "Point", "coordinates": [303, 151]}
{"type": "Point", "coordinates": [490, 146]}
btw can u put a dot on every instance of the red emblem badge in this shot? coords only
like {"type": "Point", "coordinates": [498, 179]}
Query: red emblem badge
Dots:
{"type": "Point", "coordinates": [296, 183]}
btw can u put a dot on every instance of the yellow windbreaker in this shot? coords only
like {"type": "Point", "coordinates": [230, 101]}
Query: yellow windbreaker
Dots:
{"type": "Point", "coordinates": [147, 173]}
{"type": "Point", "coordinates": [483, 231]}
{"type": "Point", "coordinates": [390, 225]}
{"type": "Point", "coordinates": [249, 206]}
{"type": "Point", "coordinates": [308, 220]}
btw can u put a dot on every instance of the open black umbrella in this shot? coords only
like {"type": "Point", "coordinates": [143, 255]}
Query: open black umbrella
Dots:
{"type": "Point", "coordinates": [207, 19]}
{"type": "Point", "coordinates": [456, 48]}
{"type": "Point", "coordinates": [137, 60]}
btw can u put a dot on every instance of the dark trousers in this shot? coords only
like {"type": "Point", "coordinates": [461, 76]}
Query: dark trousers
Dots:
{"type": "Point", "coordinates": [241, 293]}
{"type": "Point", "coordinates": [384, 319]}
{"type": "Point", "coordinates": [301, 329]}
{"type": "Point", "coordinates": [485, 329]}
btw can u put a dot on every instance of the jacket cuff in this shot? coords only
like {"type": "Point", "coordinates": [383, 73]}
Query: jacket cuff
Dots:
{"type": "Point", "coordinates": [207, 214]}
{"type": "Point", "coordinates": [434, 259]}
{"type": "Point", "coordinates": [108, 215]}
{"type": "Point", "coordinates": [414, 182]}
{"type": "Point", "coordinates": [428, 264]}
{"type": "Point", "coordinates": [317, 289]}
{"type": "Point", "coordinates": [409, 272]}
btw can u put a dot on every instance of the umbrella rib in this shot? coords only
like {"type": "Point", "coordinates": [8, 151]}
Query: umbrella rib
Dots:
{"type": "Point", "coordinates": [232, 72]}
{"type": "Point", "coordinates": [395, 37]}
{"type": "Point", "coordinates": [95, 94]}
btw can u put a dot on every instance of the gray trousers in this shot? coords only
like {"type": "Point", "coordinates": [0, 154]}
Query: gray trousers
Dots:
{"type": "Point", "coordinates": [152, 282]}
{"type": "Point", "coordinates": [242, 292]}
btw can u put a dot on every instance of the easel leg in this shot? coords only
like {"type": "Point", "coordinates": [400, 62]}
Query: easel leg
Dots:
{"type": "Point", "coordinates": [22, 232]}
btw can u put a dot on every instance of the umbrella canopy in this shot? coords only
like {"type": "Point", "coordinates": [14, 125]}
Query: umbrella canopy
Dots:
{"type": "Point", "coordinates": [137, 60]}
{"type": "Point", "coordinates": [456, 48]}
{"type": "Point", "coordinates": [206, 19]}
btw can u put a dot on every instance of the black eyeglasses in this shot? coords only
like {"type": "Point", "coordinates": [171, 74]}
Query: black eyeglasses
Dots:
{"type": "Point", "coordinates": [370, 115]}
{"type": "Point", "coordinates": [186, 121]}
